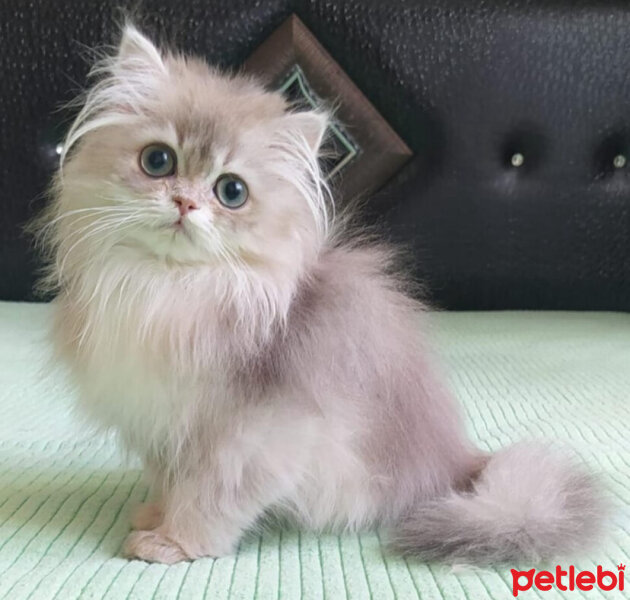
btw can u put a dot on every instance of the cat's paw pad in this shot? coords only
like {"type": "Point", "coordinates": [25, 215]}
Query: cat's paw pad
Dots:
{"type": "Point", "coordinates": [146, 515]}
{"type": "Point", "coordinates": [153, 546]}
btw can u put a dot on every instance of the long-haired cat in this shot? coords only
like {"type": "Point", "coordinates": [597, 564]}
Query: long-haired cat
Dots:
{"type": "Point", "coordinates": [256, 358]}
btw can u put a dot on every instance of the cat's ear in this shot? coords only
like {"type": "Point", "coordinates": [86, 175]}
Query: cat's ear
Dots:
{"type": "Point", "coordinates": [311, 125]}
{"type": "Point", "coordinates": [137, 54]}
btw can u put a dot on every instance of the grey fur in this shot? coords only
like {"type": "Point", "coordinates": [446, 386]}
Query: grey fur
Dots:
{"type": "Point", "coordinates": [529, 503]}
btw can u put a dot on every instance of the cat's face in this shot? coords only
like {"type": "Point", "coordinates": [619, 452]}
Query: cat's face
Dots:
{"type": "Point", "coordinates": [172, 159]}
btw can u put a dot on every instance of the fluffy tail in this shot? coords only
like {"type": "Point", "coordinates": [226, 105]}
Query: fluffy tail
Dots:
{"type": "Point", "coordinates": [529, 503]}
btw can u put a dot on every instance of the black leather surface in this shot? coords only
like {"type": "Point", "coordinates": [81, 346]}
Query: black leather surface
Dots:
{"type": "Point", "coordinates": [466, 83]}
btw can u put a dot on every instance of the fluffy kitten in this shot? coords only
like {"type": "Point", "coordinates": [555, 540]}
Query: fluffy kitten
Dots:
{"type": "Point", "coordinates": [255, 361]}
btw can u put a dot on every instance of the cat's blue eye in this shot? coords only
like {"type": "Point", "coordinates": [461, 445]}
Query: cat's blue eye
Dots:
{"type": "Point", "coordinates": [231, 191]}
{"type": "Point", "coordinates": [158, 160]}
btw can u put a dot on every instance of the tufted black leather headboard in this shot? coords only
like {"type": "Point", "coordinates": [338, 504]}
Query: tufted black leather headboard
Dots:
{"type": "Point", "coordinates": [468, 84]}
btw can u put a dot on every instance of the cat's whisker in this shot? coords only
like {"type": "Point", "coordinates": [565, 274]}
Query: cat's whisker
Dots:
{"type": "Point", "coordinates": [116, 227]}
{"type": "Point", "coordinates": [110, 220]}
{"type": "Point", "coordinates": [47, 229]}
{"type": "Point", "coordinates": [95, 261]}
{"type": "Point", "coordinates": [92, 215]}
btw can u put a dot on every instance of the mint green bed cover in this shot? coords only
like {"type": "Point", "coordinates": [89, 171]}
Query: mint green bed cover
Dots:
{"type": "Point", "coordinates": [65, 494]}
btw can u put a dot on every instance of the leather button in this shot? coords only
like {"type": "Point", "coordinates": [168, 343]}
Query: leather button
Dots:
{"type": "Point", "coordinates": [49, 146]}
{"type": "Point", "coordinates": [523, 148]}
{"type": "Point", "coordinates": [612, 154]}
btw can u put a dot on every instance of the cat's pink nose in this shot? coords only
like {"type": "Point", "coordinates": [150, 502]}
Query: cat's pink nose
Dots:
{"type": "Point", "coordinates": [185, 205]}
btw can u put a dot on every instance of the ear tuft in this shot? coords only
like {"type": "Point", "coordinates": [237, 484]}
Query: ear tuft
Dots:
{"type": "Point", "coordinates": [136, 52]}
{"type": "Point", "coordinates": [311, 124]}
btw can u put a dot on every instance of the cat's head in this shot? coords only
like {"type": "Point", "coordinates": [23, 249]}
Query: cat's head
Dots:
{"type": "Point", "coordinates": [173, 160]}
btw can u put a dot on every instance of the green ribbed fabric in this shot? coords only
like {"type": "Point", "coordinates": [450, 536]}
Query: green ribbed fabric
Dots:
{"type": "Point", "coordinates": [65, 496]}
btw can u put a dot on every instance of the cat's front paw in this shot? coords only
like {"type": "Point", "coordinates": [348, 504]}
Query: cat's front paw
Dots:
{"type": "Point", "coordinates": [146, 515]}
{"type": "Point", "coordinates": [153, 546]}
